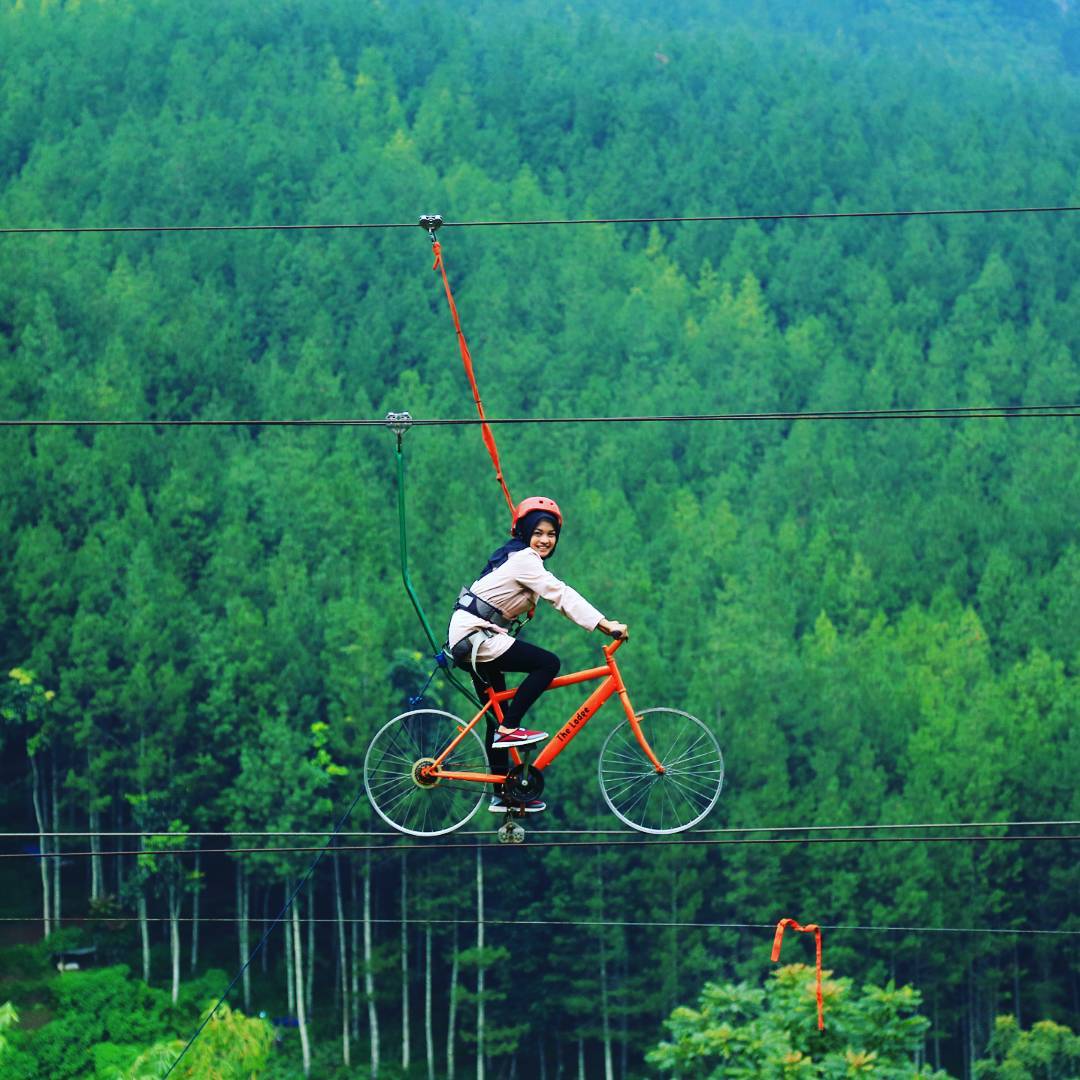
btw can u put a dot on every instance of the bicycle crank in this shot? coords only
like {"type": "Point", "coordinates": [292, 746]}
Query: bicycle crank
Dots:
{"type": "Point", "coordinates": [523, 783]}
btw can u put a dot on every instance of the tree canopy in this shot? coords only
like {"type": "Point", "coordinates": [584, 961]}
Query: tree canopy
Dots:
{"type": "Point", "coordinates": [880, 620]}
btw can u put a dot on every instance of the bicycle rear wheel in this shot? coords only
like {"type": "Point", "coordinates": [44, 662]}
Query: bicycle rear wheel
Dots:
{"type": "Point", "coordinates": [680, 796]}
{"type": "Point", "coordinates": [394, 782]}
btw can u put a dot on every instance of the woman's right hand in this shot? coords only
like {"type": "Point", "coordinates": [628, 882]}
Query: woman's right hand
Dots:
{"type": "Point", "coordinates": [614, 629]}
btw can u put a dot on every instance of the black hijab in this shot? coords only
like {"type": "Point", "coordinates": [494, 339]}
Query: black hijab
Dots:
{"type": "Point", "coordinates": [522, 534]}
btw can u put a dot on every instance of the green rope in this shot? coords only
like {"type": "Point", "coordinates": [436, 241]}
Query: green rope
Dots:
{"type": "Point", "coordinates": [399, 423]}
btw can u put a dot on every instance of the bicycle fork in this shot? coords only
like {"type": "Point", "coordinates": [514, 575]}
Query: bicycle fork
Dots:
{"type": "Point", "coordinates": [633, 719]}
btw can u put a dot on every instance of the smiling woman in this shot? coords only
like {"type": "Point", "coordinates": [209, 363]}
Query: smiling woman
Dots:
{"type": "Point", "coordinates": [482, 626]}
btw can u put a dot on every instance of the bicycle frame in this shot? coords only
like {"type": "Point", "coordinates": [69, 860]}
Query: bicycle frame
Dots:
{"type": "Point", "coordinates": [612, 684]}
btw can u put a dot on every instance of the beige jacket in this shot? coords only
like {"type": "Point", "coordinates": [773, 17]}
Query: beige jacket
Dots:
{"type": "Point", "coordinates": [513, 588]}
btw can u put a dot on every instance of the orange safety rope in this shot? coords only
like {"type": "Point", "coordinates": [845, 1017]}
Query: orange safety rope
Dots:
{"type": "Point", "coordinates": [810, 928]}
{"type": "Point", "coordinates": [485, 428]}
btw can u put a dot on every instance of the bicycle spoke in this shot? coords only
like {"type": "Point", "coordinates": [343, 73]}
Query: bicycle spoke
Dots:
{"type": "Point", "coordinates": [649, 791]}
{"type": "Point", "coordinates": [699, 750]}
{"type": "Point", "coordinates": [676, 811]}
{"type": "Point", "coordinates": [644, 791]}
{"type": "Point", "coordinates": [385, 787]}
{"type": "Point", "coordinates": [617, 792]}
{"type": "Point", "coordinates": [394, 752]}
{"type": "Point", "coordinates": [389, 805]}
{"type": "Point", "coordinates": [700, 760]}
{"type": "Point", "coordinates": [396, 765]}
{"type": "Point", "coordinates": [415, 737]}
{"type": "Point", "coordinates": [627, 776]}
{"type": "Point", "coordinates": [629, 755]}
{"type": "Point", "coordinates": [699, 789]}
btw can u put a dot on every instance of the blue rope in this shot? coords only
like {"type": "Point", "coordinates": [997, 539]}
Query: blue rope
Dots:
{"type": "Point", "coordinates": [441, 661]}
{"type": "Point", "coordinates": [280, 915]}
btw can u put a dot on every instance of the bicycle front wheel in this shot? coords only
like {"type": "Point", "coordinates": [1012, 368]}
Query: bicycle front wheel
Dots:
{"type": "Point", "coordinates": [680, 796]}
{"type": "Point", "coordinates": [396, 786]}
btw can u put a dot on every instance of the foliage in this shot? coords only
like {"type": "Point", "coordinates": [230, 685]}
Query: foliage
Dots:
{"type": "Point", "coordinates": [114, 1027]}
{"type": "Point", "coordinates": [880, 619]}
{"type": "Point", "coordinates": [126, 1010]}
{"type": "Point", "coordinates": [9, 1017]}
{"type": "Point", "coordinates": [27, 961]}
{"type": "Point", "coordinates": [501, 1037]}
{"type": "Point", "coordinates": [231, 1047]}
{"type": "Point", "coordinates": [1045, 1051]}
{"type": "Point", "coordinates": [740, 1031]}
{"type": "Point", "coordinates": [92, 1008]}
{"type": "Point", "coordinates": [23, 700]}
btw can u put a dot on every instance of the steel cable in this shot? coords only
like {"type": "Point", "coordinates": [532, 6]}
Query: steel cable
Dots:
{"type": "Point", "coordinates": [691, 841]}
{"type": "Point", "coordinates": [583, 923]}
{"type": "Point", "coordinates": [1043, 824]}
{"type": "Point", "coordinates": [837, 215]}
{"type": "Point", "coordinates": [972, 412]}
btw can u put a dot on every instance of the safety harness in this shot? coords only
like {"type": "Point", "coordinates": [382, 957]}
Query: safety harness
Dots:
{"type": "Point", "coordinates": [475, 605]}
{"type": "Point", "coordinates": [464, 651]}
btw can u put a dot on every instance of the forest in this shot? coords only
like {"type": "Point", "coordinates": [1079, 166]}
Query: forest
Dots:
{"type": "Point", "coordinates": [203, 624]}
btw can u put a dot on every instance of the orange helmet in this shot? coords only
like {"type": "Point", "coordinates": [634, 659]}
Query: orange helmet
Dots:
{"type": "Point", "coordinates": [537, 502]}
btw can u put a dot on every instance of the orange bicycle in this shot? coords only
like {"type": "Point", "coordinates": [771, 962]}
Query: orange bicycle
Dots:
{"type": "Point", "coordinates": [661, 770]}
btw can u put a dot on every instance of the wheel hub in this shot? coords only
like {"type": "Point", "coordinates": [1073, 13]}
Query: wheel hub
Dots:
{"type": "Point", "coordinates": [421, 773]}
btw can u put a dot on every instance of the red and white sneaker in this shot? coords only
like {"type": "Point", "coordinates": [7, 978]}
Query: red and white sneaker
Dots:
{"type": "Point", "coordinates": [518, 737]}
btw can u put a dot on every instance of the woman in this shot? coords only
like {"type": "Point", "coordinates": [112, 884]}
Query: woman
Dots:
{"type": "Point", "coordinates": [513, 580]}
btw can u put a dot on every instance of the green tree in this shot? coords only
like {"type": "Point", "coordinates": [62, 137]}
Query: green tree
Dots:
{"type": "Point", "coordinates": [231, 1047]}
{"type": "Point", "coordinates": [9, 1018]}
{"type": "Point", "coordinates": [737, 1030]}
{"type": "Point", "coordinates": [1045, 1051]}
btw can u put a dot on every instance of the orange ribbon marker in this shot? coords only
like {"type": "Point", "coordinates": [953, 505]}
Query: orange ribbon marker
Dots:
{"type": "Point", "coordinates": [808, 929]}
{"type": "Point", "coordinates": [466, 359]}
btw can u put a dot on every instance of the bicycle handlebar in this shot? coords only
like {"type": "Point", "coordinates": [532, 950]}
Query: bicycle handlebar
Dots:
{"type": "Point", "coordinates": [619, 640]}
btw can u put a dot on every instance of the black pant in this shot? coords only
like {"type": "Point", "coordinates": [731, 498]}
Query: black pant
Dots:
{"type": "Point", "coordinates": [540, 667]}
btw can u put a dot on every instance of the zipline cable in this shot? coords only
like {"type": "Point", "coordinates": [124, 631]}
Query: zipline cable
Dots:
{"type": "Point", "coordinates": [54, 230]}
{"type": "Point", "coordinates": [584, 923]}
{"type": "Point", "coordinates": [969, 412]}
{"type": "Point", "coordinates": [685, 841]}
{"type": "Point", "coordinates": [561, 832]}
